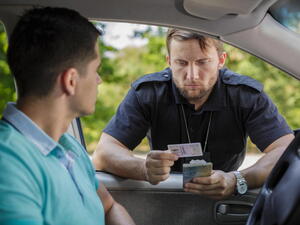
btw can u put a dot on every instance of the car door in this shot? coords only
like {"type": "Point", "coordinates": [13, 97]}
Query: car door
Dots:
{"type": "Point", "coordinates": [166, 203]}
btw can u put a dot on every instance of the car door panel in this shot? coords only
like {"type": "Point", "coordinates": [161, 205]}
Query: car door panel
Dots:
{"type": "Point", "coordinates": [166, 203]}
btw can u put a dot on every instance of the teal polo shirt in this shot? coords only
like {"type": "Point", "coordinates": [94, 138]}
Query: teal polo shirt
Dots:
{"type": "Point", "coordinates": [42, 181]}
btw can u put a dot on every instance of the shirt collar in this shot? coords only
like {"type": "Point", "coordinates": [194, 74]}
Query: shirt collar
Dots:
{"type": "Point", "coordinates": [29, 129]}
{"type": "Point", "coordinates": [216, 100]}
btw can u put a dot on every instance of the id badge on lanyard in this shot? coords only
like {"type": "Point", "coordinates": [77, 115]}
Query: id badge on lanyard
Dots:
{"type": "Point", "coordinates": [206, 155]}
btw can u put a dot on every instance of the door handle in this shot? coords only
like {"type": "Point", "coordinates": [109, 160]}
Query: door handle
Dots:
{"type": "Point", "coordinates": [232, 212]}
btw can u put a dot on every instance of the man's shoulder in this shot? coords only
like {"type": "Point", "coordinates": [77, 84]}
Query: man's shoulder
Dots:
{"type": "Point", "coordinates": [14, 147]}
{"type": "Point", "coordinates": [231, 78]}
{"type": "Point", "coordinates": [158, 77]}
{"type": "Point", "coordinates": [9, 136]}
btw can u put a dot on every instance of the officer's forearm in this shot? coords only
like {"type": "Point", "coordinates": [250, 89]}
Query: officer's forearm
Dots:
{"type": "Point", "coordinates": [112, 157]}
{"type": "Point", "coordinates": [258, 173]}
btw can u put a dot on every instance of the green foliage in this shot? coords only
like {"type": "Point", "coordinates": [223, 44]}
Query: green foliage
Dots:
{"type": "Point", "coordinates": [7, 92]}
{"type": "Point", "coordinates": [283, 89]}
{"type": "Point", "coordinates": [118, 73]}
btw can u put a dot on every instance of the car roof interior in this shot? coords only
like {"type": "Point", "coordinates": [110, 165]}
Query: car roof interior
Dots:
{"type": "Point", "coordinates": [245, 24]}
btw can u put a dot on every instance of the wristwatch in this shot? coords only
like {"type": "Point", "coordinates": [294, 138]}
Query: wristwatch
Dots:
{"type": "Point", "coordinates": [241, 183]}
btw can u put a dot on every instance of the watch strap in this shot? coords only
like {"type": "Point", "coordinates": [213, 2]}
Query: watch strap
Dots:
{"type": "Point", "coordinates": [241, 182]}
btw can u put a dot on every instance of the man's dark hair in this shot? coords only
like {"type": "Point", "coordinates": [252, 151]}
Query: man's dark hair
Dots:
{"type": "Point", "coordinates": [46, 42]}
{"type": "Point", "coordinates": [182, 35]}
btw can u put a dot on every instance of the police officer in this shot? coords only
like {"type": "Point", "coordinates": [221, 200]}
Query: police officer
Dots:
{"type": "Point", "coordinates": [195, 100]}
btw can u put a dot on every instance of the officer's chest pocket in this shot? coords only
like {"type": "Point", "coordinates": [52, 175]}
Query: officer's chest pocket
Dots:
{"type": "Point", "coordinates": [166, 127]}
{"type": "Point", "coordinates": [227, 135]}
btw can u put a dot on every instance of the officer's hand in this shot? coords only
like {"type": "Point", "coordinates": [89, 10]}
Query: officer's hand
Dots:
{"type": "Point", "coordinates": [218, 185]}
{"type": "Point", "coordinates": [157, 165]}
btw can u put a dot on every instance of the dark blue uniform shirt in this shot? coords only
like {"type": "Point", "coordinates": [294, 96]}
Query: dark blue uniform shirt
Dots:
{"type": "Point", "coordinates": [237, 105]}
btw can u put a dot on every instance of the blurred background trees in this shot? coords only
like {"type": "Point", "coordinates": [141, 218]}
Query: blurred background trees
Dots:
{"type": "Point", "coordinates": [120, 67]}
{"type": "Point", "coordinates": [7, 91]}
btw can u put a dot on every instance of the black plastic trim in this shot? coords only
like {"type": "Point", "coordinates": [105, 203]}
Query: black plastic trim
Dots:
{"type": "Point", "coordinates": [78, 123]}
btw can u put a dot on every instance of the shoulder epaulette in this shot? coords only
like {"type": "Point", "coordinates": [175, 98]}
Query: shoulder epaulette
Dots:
{"type": "Point", "coordinates": [231, 78]}
{"type": "Point", "coordinates": [161, 76]}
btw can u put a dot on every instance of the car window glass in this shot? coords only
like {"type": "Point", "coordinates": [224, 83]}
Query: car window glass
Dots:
{"type": "Point", "coordinates": [7, 90]}
{"type": "Point", "coordinates": [287, 12]}
{"type": "Point", "coordinates": [132, 50]}
{"type": "Point", "coordinates": [128, 51]}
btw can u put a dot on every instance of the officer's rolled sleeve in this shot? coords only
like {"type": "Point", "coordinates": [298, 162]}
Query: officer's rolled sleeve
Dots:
{"type": "Point", "coordinates": [131, 122]}
{"type": "Point", "coordinates": [264, 124]}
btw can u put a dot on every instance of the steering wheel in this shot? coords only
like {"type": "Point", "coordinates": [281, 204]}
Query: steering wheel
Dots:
{"type": "Point", "coordinates": [279, 200]}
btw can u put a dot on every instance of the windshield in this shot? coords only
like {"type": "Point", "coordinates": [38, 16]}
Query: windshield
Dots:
{"type": "Point", "coordinates": [287, 12]}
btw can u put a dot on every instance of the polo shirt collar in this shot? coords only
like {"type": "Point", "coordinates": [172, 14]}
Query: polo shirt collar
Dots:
{"type": "Point", "coordinates": [216, 100]}
{"type": "Point", "coordinates": [29, 129]}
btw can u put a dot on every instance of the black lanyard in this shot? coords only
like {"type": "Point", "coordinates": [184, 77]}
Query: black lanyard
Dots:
{"type": "Point", "coordinates": [187, 130]}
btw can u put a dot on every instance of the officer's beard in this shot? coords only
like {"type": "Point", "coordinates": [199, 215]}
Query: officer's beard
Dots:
{"type": "Point", "coordinates": [198, 95]}
{"type": "Point", "coordinates": [195, 97]}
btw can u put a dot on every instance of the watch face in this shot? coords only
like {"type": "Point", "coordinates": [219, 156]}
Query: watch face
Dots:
{"type": "Point", "coordinates": [242, 188]}
{"type": "Point", "coordinates": [241, 184]}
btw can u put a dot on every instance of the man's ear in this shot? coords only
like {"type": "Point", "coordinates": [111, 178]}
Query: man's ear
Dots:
{"type": "Point", "coordinates": [222, 59]}
{"type": "Point", "coordinates": [168, 60]}
{"type": "Point", "coordinates": [69, 81]}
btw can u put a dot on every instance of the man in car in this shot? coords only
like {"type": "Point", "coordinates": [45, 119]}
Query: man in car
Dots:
{"type": "Point", "coordinates": [46, 175]}
{"type": "Point", "coordinates": [195, 100]}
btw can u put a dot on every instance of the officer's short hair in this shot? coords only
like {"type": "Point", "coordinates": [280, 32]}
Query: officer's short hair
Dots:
{"type": "Point", "coordinates": [182, 35]}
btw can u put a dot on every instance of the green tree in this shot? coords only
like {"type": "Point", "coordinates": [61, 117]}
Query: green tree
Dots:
{"type": "Point", "coordinates": [283, 89]}
{"type": "Point", "coordinates": [118, 72]}
{"type": "Point", "coordinates": [7, 92]}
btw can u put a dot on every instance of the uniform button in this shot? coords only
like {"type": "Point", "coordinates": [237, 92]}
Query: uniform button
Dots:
{"type": "Point", "coordinates": [166, 75]}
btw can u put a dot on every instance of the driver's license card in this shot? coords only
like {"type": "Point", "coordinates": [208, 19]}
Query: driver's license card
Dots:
{"type": "Point", "coordinates": [186, 150]}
